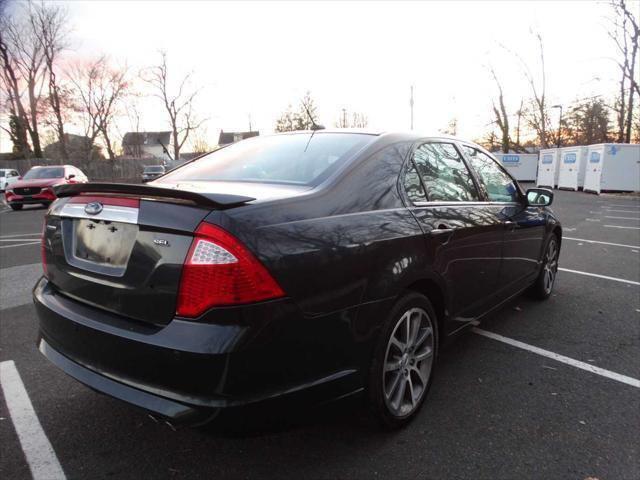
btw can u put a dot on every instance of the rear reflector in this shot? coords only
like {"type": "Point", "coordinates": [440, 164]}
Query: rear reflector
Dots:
{"type": "Point", "coordinates": [43, 251]}
{"type": "Point", "coordinates": [219, 271]}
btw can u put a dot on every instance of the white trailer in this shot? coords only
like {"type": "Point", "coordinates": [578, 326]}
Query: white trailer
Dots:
{"type": "Point", "coordinates": [548, 167]}
{"type": "Point", "coordinates": [573, 163]}
{"type": "Point", "coordinates": [523, 166]}
{"type": "Point", "coordinates": [613, 167]}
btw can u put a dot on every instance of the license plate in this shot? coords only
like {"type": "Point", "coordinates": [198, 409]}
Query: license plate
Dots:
{"type": "Point", "coordinates": [103, 242]}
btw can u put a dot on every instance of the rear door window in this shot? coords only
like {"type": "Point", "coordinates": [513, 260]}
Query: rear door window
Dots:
{"type": "Point", "coordinates": [444, 173]}
{"type": "Point", "coordinates": [500, 187]}
{"type": "Point", "coordinates": [413, 185]}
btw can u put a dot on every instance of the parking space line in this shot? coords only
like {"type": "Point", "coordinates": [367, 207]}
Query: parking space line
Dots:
{"type": "Point", "coordinates": [560, 358]}
{"type": "Point", "coordinates": [623, 218]}
{"type": "Point", "coordinates": [620, 211]}
{"type": "Point", "coordinates": [36, 234]}
{"type": "Point", "coordinates": [631, 282]}
{"type": "Point", "coordinates": [39, 453]}
{"type": "Point", "coordinates": [624, 206]}
{"type": "Point", "coordinates": [35, 242]}
{"type": "Point", "coordinates": [620, 226]}
{"type": "Point", "coordinates": [598, 241]}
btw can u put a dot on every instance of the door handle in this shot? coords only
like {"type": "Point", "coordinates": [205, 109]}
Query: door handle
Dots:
{"type": "Point", "coordinates": [441, 230]}
{"type": "Point", "coordinates": [511, 225]}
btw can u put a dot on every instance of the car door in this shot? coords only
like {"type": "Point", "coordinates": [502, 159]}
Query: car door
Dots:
{"type": "Point", "coordinates": [463, 237]}
{"type": "Point", "coordinates": [524, 226]}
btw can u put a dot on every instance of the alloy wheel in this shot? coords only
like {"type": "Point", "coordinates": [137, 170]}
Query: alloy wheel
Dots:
{"type": "Point", "coordinates": [550, 266]}
{"type": "Point", "coordinates": [408, 362]}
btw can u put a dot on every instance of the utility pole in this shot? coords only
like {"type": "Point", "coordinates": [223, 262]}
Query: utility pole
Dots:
{"type": "Point", "coordinates": [559, 123]}
{"type": "Point", "coordinates": [250, 123]}
{"type": "Point", "coordinates": [344, 118]}
{"type": "Point", "coordinates": [411, 105]}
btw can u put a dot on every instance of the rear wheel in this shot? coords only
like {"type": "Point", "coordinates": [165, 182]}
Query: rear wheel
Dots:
{"type": "Point", "coordinates": [543, 285]}
{"type": "Point", "coordinates": [403, 362]}
{"type": "Point", "coordinates": [16, 207]}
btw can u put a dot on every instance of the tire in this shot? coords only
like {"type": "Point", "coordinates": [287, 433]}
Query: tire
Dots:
{"type": "Point", "coordinates": [16, 207]}
{"type": "Point", "coordinates": [397, 393]}
{"type": "Point", "coordinates": [543, 286]}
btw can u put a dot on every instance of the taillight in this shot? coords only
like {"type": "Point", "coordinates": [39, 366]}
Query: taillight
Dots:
{"type": "Point", "coordinates": [43, 251]}
{"type": "Point", "coordinates": [218, 271]}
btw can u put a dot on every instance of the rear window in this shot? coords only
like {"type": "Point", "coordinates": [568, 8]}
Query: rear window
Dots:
{"type": "Point", "coordinates": [303, 159]}
{"type": "Point", "coordinates": [1, 173]}
{"type": "Point", "coordinates": [45, 172]}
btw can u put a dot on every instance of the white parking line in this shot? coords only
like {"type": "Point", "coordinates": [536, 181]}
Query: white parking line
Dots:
{"type": "Point", "coordinates": [14, 240]}
{"type": "Point", "coordinates": [623, 218]}
{"type": "Point", "coordinates": [597, 241]}
{"type": "Point", "coordinates": [622, 280]}
{"type": "Point", "coordinates": [620, 226]}
{"type": "Point", "coordinates": [36, 234]}
{"type": "Point", "coordinates": [37, 449]}
{"type": "Point", "coordinates": [620, 211]}
{"type": "Point", "coordinates": [560, 358]}
{"type": "Point", "coordinates": [35, 242]}
{"type": "Point", "coordinates": [624, 206]}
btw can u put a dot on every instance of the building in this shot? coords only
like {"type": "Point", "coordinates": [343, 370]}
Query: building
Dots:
{"type": "Point", "coordinates": [147, 144]}
{"type": "Point", "coordinates": [231, 137]}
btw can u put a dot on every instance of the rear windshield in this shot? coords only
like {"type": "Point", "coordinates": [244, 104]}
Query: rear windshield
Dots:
{"type": "Point", "coordinates": [45, 172]}
{"type": "Point", "coordinates": [158, 169]}
{"type": "Point", "coordinates": [301, 158]}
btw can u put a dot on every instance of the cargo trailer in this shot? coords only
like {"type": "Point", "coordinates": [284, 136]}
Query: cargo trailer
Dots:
{"type": "Point", "coordinates": [573, 163]}
{"type": "Point", "coordinates": [548, 167]}
{"type": "Point", "coordinates": [613, 167]}
{"type": "Point", "coordinates": [523, 166]}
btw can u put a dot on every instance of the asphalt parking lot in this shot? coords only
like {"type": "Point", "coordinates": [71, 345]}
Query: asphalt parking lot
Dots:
{"type": "Point", "coordinates": [539, 390]}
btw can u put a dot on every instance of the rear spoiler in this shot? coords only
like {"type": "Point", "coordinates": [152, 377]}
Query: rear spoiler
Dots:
{"type": "Point", "coordinates": [217, 200]}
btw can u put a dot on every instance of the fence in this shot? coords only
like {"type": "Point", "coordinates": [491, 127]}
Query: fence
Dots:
{"type": "Point", "coordinates": [124, 169]}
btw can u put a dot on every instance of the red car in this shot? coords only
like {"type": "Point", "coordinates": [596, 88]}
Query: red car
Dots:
{"type": "Point", "coordinates": [37, 185]}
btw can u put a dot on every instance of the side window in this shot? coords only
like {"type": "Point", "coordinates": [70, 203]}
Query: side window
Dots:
{"type": "Point", "coordinates": [413, 185]}
{"type": "Point", "coordinates": [444, 173]}
{"type": "Point", "coordinates": [499, 186]}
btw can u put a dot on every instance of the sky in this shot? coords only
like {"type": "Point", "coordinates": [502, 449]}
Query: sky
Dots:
{"type": "Point", "coordinates": [255, 58]}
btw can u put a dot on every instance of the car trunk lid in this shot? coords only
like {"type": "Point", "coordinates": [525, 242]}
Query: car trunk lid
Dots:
{"type": "Point", "coordinates": [121, 248]}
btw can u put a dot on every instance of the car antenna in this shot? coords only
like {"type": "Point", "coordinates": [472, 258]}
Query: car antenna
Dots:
{"type": "Point", "coordinates": [314, 126]}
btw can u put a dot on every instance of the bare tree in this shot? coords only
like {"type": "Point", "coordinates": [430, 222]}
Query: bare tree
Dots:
{"type": "Point", "coordinates": [48, 22]}
{"type": "Point", "coordinates": [353, 120]}
{"type": "Point", "coordinates": [177, 102]}
{"type": "Point", "coordinates": [17, 130]}
{"type": "Point", "coordinates": [27, 55]}
{"type": "Point", "coordinates": [99, 88]}
{"type": "Point", "coordinates": [500, 112]}
{"type": "Point", "coordinates": [626, 35]}
{"type": "Point", "coordinates": [538, 114]}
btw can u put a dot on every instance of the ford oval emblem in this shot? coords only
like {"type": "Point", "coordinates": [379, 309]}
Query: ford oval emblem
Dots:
{"type": "Point", "coordinates": [93, 208]}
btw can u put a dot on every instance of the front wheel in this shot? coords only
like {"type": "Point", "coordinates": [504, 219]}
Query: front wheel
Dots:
{"type": "Point", "coordinates": [543, 285]}
{"type": "Point", "coordinates": [402, 367]}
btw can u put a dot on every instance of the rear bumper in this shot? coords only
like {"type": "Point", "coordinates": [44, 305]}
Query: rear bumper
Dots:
{"type": "Point", "coordinates": [188, 371]}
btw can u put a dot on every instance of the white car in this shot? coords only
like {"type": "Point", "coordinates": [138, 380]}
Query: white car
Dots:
{"type": "Point", "coordinates": [7, 177]}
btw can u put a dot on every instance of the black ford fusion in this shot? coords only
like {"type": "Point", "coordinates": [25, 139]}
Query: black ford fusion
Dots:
{"type": "Point", "coordinates": [307, 266]}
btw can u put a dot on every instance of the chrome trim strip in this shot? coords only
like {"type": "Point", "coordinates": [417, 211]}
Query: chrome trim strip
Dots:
{"type": "Point", "coordinates": [110, 213]}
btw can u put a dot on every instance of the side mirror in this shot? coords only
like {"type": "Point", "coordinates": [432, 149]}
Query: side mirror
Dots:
{"type": "Point", "coordinates": [72, 175]}
{"type": "Point", "coordinates": [20, 177]}
{"type": "Point", "coordinates": [539, 197]}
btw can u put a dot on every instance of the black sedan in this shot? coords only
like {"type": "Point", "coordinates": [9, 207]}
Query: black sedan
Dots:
{"type": "Point", "coordinates": [306, 266]}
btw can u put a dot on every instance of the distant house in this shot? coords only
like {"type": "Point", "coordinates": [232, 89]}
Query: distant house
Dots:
{"type": "Point", "coordinates": [147, 144]}
{"type": "Point", "coordinates": [231, 137]}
